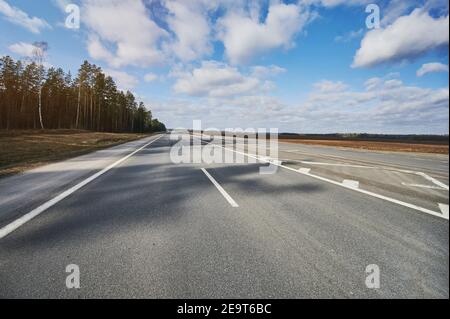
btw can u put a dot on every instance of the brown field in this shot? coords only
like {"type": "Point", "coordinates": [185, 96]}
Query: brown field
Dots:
{"type": "Point", "coordinates": [22, 150]}
{"type": "Point", "coordinates": [376, 146]}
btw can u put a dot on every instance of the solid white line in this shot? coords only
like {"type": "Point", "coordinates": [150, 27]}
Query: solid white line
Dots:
{"type": "Point", "coordinates": [37, 211]}
{"type": "Point", "coordinates": [335, 164]}
{"type": "Point", "coordinates": [220, 188]}
{"type": "Point", "coordinates": [423, 186]}
{"type": "Point", "coordinates": [359, 190]}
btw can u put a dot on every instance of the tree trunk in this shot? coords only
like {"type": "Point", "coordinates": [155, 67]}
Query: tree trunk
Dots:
{"type": "Point", "coordinates": [78, 107]}
{"type": "Point", "coordinates": [40, 108]}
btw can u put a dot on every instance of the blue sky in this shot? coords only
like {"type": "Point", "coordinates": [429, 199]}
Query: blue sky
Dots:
{"type": "Point", "coordinates": [308, 66]}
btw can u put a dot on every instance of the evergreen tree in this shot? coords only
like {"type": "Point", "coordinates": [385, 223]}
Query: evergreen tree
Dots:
{"type": "Point", "coordinates": [31, 96]}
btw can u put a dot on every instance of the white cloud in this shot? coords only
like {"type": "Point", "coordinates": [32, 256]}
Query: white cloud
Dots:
{"type": "Point", "coordinates": [19, 17]}
{"type": "Point", "coordinates": [215, 79]}
{"type": "Point", "coordinates": [334, 3]}
{"type": "Point", "coordinates": [97, 51]}
{"type": "Point", "coordinates": [61, 4]}
{"type": "Point", "coordinates": [244, 36]}
{"type": "Point", "coordinates": [242, 111]}
{"type": "Point", "coordinates": [23, 49]}
{"type": "Point", "coordinates": [384, 106]}
{"type": "Point", "coordinates": [122, 33]}
{"type": "Point", "coordinates": [408, 37]}
{"type": "Point", "coordinates": [123, 80]}
{"type": "Point", "coordinates": [372, 83]}
{"type": "Point", "coordinates": [330, 86]}
{"type": "Point", "coordinates": [150, 77]}
{"type": "Point", "coordinates": [27, 51]}
{"type": "Point", "coordinates": [432, 67]}
{"type": "Point", "coordinates": [395, 9]}
{"type": "Point", "coordinates": [192, 31]}
{"type": "Point", "coordinates": [261, 71]}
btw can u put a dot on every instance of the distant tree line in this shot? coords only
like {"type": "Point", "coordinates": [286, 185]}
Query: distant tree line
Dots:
{"type": "Point", "coordinates": [400, 138]}
{"type": "Point", "coordinates": [32, 97]}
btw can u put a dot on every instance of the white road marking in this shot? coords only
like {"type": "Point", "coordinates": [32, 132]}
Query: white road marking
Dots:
{"type": "Point", "coordinates": [350, 183]}
{"type": "Point", "coordinates": [266, 159]}
{"type": "Point", "coordinates": [433, 180]}
{"type": "Point", "coordinates": [304, 170]}
{"type": "Point", "coordinates": [423, 186]}
{"type": "Point", "coordinates": [334, 164]}
{"type": "Point", "coordinates": [37, 211]}
{"type": "Point", "coordinates": [276, 162]}
{"type": "Point", "coordinates": [444, 210]}
{"type": "Point", "coordinates": [381, 165]}
{"type": "Point", "coordinates": [220, 189]}
{"type": "Point", "coordinates": [386, 198]}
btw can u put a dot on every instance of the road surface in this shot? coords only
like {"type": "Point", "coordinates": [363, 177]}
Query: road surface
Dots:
{"type": "Point", "coordinates": [145, 227]}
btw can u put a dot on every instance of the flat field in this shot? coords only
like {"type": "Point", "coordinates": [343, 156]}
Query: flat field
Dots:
{"type": "Point", "coordinates": [375, 145]}
{"type": "Point", "coordinates": [24, 149]}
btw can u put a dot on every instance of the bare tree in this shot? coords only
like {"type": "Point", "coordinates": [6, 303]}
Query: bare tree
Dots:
{"type": "Point", "coordinates": [38, 55]}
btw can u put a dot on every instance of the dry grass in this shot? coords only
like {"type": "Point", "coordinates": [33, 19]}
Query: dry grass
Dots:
{"type": "Point", "coordinates": [376, 146]}
{"type": "Point", "coordinates": [22, 150]}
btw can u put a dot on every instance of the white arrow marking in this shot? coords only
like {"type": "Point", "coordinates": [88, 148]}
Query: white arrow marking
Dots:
{"type": "Point", "coordinates": [444, 210]}
{"type": "Point", "coordinates": [433, 180]}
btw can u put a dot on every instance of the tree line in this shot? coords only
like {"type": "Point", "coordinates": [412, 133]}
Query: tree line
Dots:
{"type": "Point", "coordinates": [33, 97]}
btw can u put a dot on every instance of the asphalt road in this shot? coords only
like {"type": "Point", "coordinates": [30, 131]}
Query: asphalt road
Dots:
{"type": "Point", "coordinates": [150, 228]}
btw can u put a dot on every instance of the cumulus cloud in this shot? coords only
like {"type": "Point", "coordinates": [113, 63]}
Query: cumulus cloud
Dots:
{"type": "Point", "coordinates": [215, 79]}
{"type": "Point", "coordinates": [408, 37]}
{"type": "Point", "coordinates": [23, 49]}
{"type": "Point", "coordinates": [384, 106]}
{"type": "Point", "coordinates": [226, 112]}
{"type": "Point", "coordinates": [431, 68]}
{"type": "Point", "coordinates": [192, 31]}
{"type": "Point", "coordinates": [21, 18]}
{"type": "Point", "coordinates": [123, 80]}
{"type": "Point", "coordinates": [141, 37]}
{"type": "Point", "coordinates": [395, 9]}
{"type": "Point", "coordinates": [62, 4]}
{"type": "Point", "coordinates": [330, 86]}
{"type": "Point", "coordinates": [261, 71]}
{"type": "Point", "coordinates": [244, 36]}
{"type": "Point", "coordinates": [121, 33]}
{"type": "Point", "coordinates": [28, 51]}
{"type": "Point", "coordinates": [334, 3]}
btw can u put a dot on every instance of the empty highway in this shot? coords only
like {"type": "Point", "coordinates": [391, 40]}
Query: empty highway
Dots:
{"type": "Point", "coordinates": [140, 226]}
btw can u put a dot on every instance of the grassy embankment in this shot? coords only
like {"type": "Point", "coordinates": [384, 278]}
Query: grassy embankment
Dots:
{"type": "Point", "coordinates": [23, 150]}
